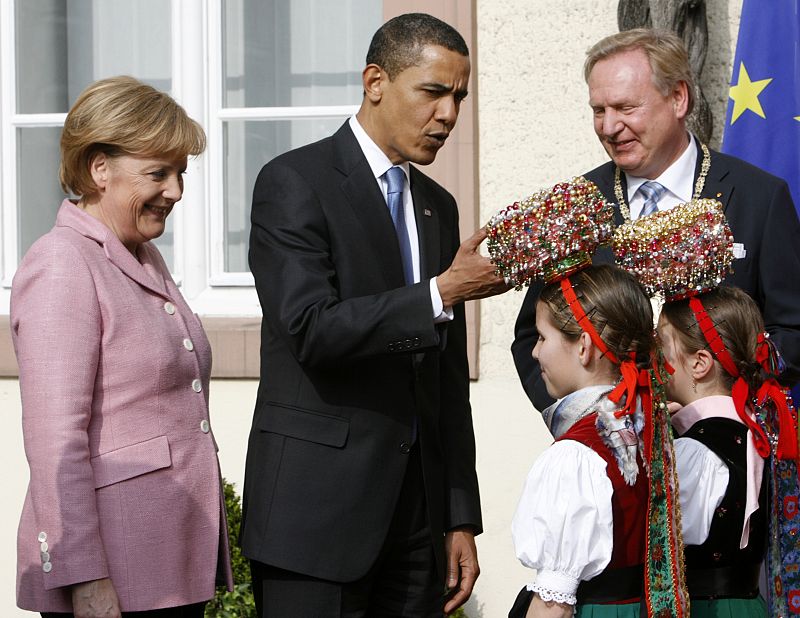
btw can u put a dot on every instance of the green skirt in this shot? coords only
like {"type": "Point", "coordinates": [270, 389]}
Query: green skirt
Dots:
{"type": "Point", "coordinates": [623, 610]}
{"type": "Point", "coordinates": [729, 608]}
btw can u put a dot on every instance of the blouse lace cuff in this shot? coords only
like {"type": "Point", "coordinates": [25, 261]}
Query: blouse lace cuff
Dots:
{"type": "Point", "coordinates": [556, 586]}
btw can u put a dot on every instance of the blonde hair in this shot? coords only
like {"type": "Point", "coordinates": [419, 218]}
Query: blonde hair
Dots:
{"type": "Point", "coordinates": [123, 116]}
{"type": "Point", "coordinates": [616, 305]}
{"type": "Point", "coordinates": [665, 51]}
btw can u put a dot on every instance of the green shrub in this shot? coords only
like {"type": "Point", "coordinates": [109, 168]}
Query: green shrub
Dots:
{"type": "Point", "coordinates": [240, 603]}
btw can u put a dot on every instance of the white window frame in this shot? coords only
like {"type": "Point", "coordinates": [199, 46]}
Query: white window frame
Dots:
{"type": "Point", "coordinates": [219, 115]}
{"type": "Point", "coordinates": [199, 221]}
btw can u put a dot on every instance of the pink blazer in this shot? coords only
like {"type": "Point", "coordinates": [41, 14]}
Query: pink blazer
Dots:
{"type": "Point", "coordinates": [124, 479]}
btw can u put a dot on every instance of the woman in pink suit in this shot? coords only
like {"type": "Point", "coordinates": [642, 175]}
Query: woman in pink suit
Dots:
{"type": "Point", "coordinates": [124, 514]}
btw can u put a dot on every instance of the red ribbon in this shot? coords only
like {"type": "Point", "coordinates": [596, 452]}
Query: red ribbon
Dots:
{"type": "Point", "coordinates": [763, 352]}
{"type": "Point", "coordinates": [713, 338]}
{"type": "Point", "coordinates": [741, 390]}
{"type": "Point", "coordinates": [631, 375]}
{"type": "Point", "coordinates": [583, 320]}
{"type": "Point", "coordinates": [787, 429]}
{"type": "Point", "coordinates": [627, 386]}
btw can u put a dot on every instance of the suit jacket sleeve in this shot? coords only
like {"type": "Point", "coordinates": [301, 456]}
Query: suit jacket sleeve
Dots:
{"type": "Point", "coordinates": [56, 327]}
{"type": "Point", "coordinates": [462, 500]}
{"type": "Point", "coordinates": [295, 269]}
{"type": "Point", "coordinates": [779, 277]}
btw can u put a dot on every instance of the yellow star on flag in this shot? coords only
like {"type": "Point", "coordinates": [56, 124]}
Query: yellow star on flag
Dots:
{"type": "Point", "coordinates": [745, 94]}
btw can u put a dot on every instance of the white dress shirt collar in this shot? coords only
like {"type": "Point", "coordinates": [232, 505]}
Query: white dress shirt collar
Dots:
{"type": "Point", "coordinates": [677, 179]}
{"type": "Point", "coordinates": [379, 163]}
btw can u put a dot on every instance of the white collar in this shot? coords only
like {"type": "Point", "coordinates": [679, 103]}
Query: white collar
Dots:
{"type": "Point", "coordinates": [378, 162]}
{"type": "Point", "coordinates": [678, 178]}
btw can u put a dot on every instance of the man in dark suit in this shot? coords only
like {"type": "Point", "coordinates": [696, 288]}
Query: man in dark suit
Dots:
{"type": "Point", "coordinates": [360, 496]}
{"type": "Point", "coordinates": [641, 90]}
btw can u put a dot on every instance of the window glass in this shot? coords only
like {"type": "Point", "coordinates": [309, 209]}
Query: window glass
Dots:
{"type": "Point", "coordinates": [248, 145]}
{"type": "Point", "coordinates": [38, 190]}
{"type": "Point", "coordinates": [64, 45]}
{"type": "Point", "coordinates": [61, 47]}
{"type": "Point", "coordinates": [283, 54]}
{"type": "Point", "coordinates": [303, 52]}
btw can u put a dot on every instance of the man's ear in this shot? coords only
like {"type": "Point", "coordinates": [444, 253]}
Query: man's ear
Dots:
{"type": "Point", "coordinates": [373, 78]}
{"type": "Point", "coordinates": [701, 363]}
{"type": "Point", "coordinates": [680, 99]}
{"type": "Point", "coordinates": [98, 168]}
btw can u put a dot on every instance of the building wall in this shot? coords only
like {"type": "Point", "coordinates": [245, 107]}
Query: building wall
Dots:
{"type": "Point", "coordinates": [535, 129]}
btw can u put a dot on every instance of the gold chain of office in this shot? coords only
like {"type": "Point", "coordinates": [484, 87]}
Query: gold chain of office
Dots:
{"type": "Point", "coordinates": [698, 186]}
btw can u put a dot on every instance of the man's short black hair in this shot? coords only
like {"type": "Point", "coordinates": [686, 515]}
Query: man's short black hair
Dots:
{"type": "Point", "coordinates": [398, 44]}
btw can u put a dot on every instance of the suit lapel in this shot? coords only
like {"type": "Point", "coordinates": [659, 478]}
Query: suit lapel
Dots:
{"type": "Point", "coordinates": [427, 229]}
{"type": "Point", "coordinates": [605, 184]}
{"type": "Point", "coordinates": [366, 201]}
{"type": "Point", "coordinates": [719, 185]}
{"type": "Point", "coordinates": [71, 216]}
{"type": "Point", "coordinates": [128, 264]}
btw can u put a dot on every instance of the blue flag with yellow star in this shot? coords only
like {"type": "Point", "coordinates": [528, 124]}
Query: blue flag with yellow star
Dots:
{"type": "Point", "coordinates": [762, 125]}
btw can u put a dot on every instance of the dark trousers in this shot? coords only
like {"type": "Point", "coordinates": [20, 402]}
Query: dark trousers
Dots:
{"type": "Point", "coordinates": [195, 610]}
{"type": "Point", "coordinates": [404, 581]}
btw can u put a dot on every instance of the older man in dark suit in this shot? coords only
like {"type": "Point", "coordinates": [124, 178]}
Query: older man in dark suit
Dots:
{"type": "Point", "coordinates": [361, 497]}
{"type": "Point", "coordinates": [641, 90]}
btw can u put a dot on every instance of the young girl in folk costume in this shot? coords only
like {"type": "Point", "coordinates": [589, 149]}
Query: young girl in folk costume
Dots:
{"type": "Point", "coordinates": [582, 520]}
{"type": "Point", "coordinates": [714, 339]}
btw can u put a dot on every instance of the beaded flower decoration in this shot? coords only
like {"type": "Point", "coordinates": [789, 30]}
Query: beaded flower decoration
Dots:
{"type": "Point", "coordinates": [680, 252]}
{"type": "Point", "coordinates": [550, 234]}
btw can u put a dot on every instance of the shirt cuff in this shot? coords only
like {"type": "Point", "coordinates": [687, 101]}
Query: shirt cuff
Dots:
{"type": "Point", "coordinates": [440, 312]}
{"type": "Point", "coordinates": [555, 586]}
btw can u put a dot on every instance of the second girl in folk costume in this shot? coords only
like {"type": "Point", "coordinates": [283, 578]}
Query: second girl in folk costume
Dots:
{"type": "Point", "coordinates": [714, 339]}
{"type": "Point", "coordinates": [582, 520]}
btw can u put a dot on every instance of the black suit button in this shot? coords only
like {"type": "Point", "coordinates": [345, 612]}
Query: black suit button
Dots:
{"type": "Point", "coordinates": [405, 448]}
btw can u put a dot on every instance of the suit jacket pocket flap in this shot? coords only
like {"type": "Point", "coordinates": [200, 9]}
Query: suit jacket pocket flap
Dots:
{"type": "Point", "coordinates": [129, 461]}
{"type": "Point", "coordinates": [304, 425]}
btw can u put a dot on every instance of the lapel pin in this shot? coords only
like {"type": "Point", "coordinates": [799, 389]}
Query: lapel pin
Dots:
{"type": "Point", "coordinates": [427, 212]}
{"type": "Point", "coordinates": [719, 194]}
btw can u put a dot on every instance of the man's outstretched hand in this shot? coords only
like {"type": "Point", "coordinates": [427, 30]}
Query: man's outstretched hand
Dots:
{"type": "Point", "coordinates": [471, 275]}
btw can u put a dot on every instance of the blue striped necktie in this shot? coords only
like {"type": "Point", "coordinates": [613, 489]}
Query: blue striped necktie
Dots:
{"type": "Point", "coordinates": [652, 192]}
{"type": "Point", "coordinates": [395, 180]}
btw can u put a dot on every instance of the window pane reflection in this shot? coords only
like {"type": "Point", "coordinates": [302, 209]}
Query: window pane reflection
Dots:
{"type": "Point", "coordinates": [38, 192]}
{"type": "Point", "coordinates": [248, 145]}
{"type": "Point", "coordinates": [304, 52]}
{"type": "Point", "coordinates": [64, 45]}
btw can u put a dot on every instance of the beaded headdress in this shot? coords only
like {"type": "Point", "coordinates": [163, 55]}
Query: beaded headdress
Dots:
{"type": "Point", "coordinates": [680, 252]}
{"type": "Point", "coordinates": [550, 234]}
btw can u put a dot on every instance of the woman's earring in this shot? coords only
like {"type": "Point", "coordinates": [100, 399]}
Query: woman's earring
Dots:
{"type": "Point", "coordinates": [694, 386]}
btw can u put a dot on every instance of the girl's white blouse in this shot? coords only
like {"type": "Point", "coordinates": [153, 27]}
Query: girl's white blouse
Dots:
{"type": "Point", "coordinates": [702, 482]}
{"type": "Point", "coordinates": [563, 526]}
